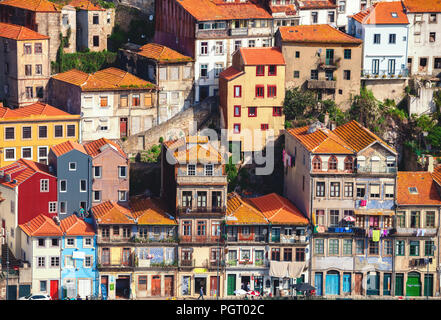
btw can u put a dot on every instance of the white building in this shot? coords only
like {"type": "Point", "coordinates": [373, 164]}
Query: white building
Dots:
{"type": "Point", "coordinates": [384, 30]}
{"type": "Point", "coordinates": [347, 8]}
{"type": "Point", "coordinates": [317, 12]}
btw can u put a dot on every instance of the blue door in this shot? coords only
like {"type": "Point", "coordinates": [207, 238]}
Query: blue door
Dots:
{"type": "Point", "coordinates": [319, 283]}
{"type": "Point", "coordinates": [347, 283]}
{"type": "Point", "coordinates": [332, 283]}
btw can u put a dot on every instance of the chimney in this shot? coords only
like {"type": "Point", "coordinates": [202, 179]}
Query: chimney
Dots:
{"type": "Point", "coordinates": [430, 162]}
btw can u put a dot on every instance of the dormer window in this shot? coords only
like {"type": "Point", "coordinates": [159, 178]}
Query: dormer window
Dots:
{"type": "Point", "coordinates": [191, 170]}
{"type": "Point", "coordinates": [413, 190]}
{"type": "Point", "coordinates": [394, 15]}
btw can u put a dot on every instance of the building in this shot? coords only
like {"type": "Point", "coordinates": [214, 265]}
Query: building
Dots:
{"type": "Point", "coordinates": [210, 32]}
{"type": "Point", "coordinates": [347, 8]}
{"type": "Point", "coordinates": [25, 68]}
{"type": "Point", "coordinates": [344, 181]}
{"type": "Point", "coordinates": [194, 185]}
{"type": "Point", "coordinates": [79, 273]}
{"type": "Point", "coordinates": [424, 50]}
{"type": "Point", "coordinates": [73, 167]}
{"type": "Point", "coordinates": [324, 60]}
{"type": "Point", "coordinates": [171, 71]}
{"type": "Point", "coordinates": [317, 12]}
{"type": "Point", "coordinates": [110, 172]}
{"type": "Point", "coordinates": [42, 16]}
{"type": "Point", "coordinates": [384, 29]}
{"type": "Point", "coordinates": [114, 225]}
{"type": "Point", "coordinates": [284, 12]}
{"type": "Point", "coordinates": [416, 239]}
{"type": "Point", "coordinates": [41, 247]}
{"type": "Point", "coordinates": [94, 25]}
{"type": "Point", "coordinates": [30, 131]}
{"type": "Point", "coordinates": [156, 249]}
{"type": "Point", "coordinates": [252, 92]}
{"type": "Point", "coordinates": [113, 103]}
{"type": "Point", "coordinates": [28, 189]}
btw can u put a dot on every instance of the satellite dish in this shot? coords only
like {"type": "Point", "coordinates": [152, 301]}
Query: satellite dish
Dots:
{"type": "Point", "coordinates": [151, 17]}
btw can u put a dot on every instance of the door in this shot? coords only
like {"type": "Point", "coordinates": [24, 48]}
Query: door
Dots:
{"type": "Point", "coordinates": [213, 286]}
{"type": "Point", "coordinates": [329, 56]}
{"type": "Point", "coordinates": [203, 92]}
{"type": "Point", "coordinates": [409, 66]}
{"type": "Point", "coordinates": [276, 287]}
{"type": "Point", "coordinates": [231, 284]}
{"type": "Point", "coordinates": [156, 285]}
{"type": "Point", "coordinates": [12, 292]}
{"type": "Point", "coordinates": [387, 281]}
{"type": "Point", "coordinates": [332, 283]}
{"type": "Point", "coordinates": [123, 127]}
{"type": "Point", "coordinates": [428, 285]}
{"type": "Point", "coordinates": [347, 283]}
{"type": "Point", "coordinates": [24, 290]}
{"type": "Point", "coordinates": [84, 288]}
{"type": "Point", "coordinates": [54, 289]}
{"type": "Point", "coordinates": [104, 289]}
{"type": "Point", "coordinates": [168, 286]}
{"type": "Point", "coordinates": [319, 283]}
{"type": "Point", "coordinates": [373, 284]}
{"type": "Point", "coordinates": [258, 283]}
{"type": "Point", "coordinates": [358, 289]}
{"type": "Point", "coordinates": [375, 66]}
{"type": "Point", "coordinates": [413, 285]}
{"type": "Point", "coordinates": [122, 289]}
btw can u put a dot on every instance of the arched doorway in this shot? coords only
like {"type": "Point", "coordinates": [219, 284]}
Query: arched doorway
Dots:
{"type": "Point", "coordinates": [332, 283]}
{"type": "Point", "coordinates": [413, 284]}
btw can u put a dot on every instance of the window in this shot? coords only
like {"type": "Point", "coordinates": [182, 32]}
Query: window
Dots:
{"type": "Point", "coordinates": [63, 207]}
{"type": "Point", "coordinates": [251, 43]}
{"type": "Point", "coordinates": [414, 219]}
{"type": "Point", "coordinates": [296, 74]}
{"type": "Point", "coordinates": [83, 186]}
{"type": "Point", "coordinates": [95, 19]}
{"type": "Point", "coordinates": [432, 37]}
{"type": "Point", "coordinates": [72, 166]}
{"type": "Point", "coordinates": [26, 152]}
{"type": "Point", "coordinates": [437, 63]}
{"type": "Point", "coordinates": [41, 242]}
{"type": "Point", "coordinates": [401, 219]}
{"type": "Point", "coordinates": [334, 189]}
{"type": "Point", "coordinates": [97, 171]}
{"type": "Point", "coordinates": [208, 169]}
{"type": "Point", "coordinates": [39, 91]}
{"type": "Point", "coordinates": [38, 69]}
{"type": "Point", "coordinates": [275, 254]}
{"type": "Point", "coordinates": [277, 111]}
{"type": "Point", "coordinates": [414, 248]}
{"type": "Point", "coordinates": [272, 70]}
{"type": "Point", "coordinates": [399, 247]}
{"type": "Point", "coordinates": [297, 54]}
{"type": "Point", "coordinates": [9, 133]}
{"type": "Point", "coordinates": [96, 196]}
{"type": "Point", "coordinates": [237, 91]}
{"type": "Point", "coordinates": [204, 71]}
{"type": "Point", "coordinates": [187, 199]}
{"type": "Point", "coordinates": [264, 126]}
{"type": "Point", "coordinates": [430, 219]}
{"type": "Point", "coordinates": [237, 44]}
{"type": "Point", "coordinates": [359, 247]}
{"type": "Point", "coordinates": [361, 190]}
{"type": "Point", "coordinates": [349, 189]}
{"type": "Point", "coordinates": [331, 17]}
{"type": "Point", "coordinates": [28, 69]}
{"type": "Point", "coordinates": [201, 228]}
{"type": "Point", "coordinates": [88, 261]}
{"type": "Point", "coordinates": [300, 254]}
{"type": "Point", "coordinates": [320, 189]}
{"type": "Point", "coordinates": [373, 247]}
{"type": "Point", "coordinates": [432, 18]}
{"type": "Point", "coordinates": [55, 261]}
{"type": "Point", "coordinates": [122, 172]}
{"type": "Point", "coordinates": [218, 67]}
{"type": "Point", "coordinates": [252, 111]}
{"type": "Point", "coordinates": [69, 262]}
{"type": "Point", "coordinates": [333, 218]}
{"type": "Point", "coordinates": [202, 199]}
{"type": "Point", "coordinates": [260, 91]}
{"type": "Point", "coordinates": [348, 54]}
{"type": "Point", "coordinates": [191, 170]}
{"type": "Point", "coordinates": [374, 190]}
{"type": "Point", "coordinates": [58, 131]}
{"type": "Point", "coordinates": [52, 207]}
{"type": "Point", "coordinates": [319, 247]}
{"type": "Point", "coordinates": [287, 254]}
{"type": "Point", "coordinates": [374, 221]}
{"type": "Point", "coordinates": [333, 247]}
{"type": "Point", "coordinates": [314, 17]}
{"type": "Point", "coordinates": [377, 38]}
{"type": "Point", "coordinates": [387, 247]}
{"type": "Point", "coordinates": [44, 185]}
{"type": "Point", "coordinates": [9, 154]}
{"type": "Point", "coordinates": [136, 100]}
{"type": "Point", "coordinates": [219, 48]}
{"type": "Point", "coordinates": [332, 163]}
{"type": "Point", "coordinates": [392, 38]}
{"type": "Point", "coordinates": [236, 128]}
{"type": "Point", "coordinates": [272, 91]}
{"type": "Point", "coordinates": [96, 41]}
{"type": "Point", "coordinates": [347, 246]}
{"type": "Point", "coordinates": [42, 154]}
{"type": "Point", "coordinates": [204, 48]}
{"type": "Point", "coordinates": [26, 132]}
{"type": "Point", "coordinates": [237, 111]}
{"type": "Point", "coordinates": [29, 92]}
{"type": "Point", "coordinates": [347, 74]}
{"type": "Point", "coordinates": [429, 248]}
{"type": "Point", "coordinates": [27, 48]}
{"type": "Point", "coordinates": [104, 102]}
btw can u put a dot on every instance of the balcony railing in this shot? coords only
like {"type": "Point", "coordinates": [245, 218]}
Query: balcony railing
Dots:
{"type": "Point", "coordinates": [215, 173]}
{"type": "Point", "coordinates": [247, 263]}
{"type": "Point", "coordinates": [322, 84]}
{"type": "Point", "coordinates": [376, 169]}
{"type": "Point", "coordinates": [161, 239]}
{"type": "Point", "coordinates": [190, 263]}
{"type": "Point", "coordinates": [106, 261]}
{"type": "Point", "coordinates": [252, 238]}
{"type": "Point", "coordinates": [200, 239]}
{"type": "Point", "coordinates": [385, 74]}
{"type": "Point", "coordinates": [200, 210]}
{"type": "Point", "coordinates": [113, 239]}
{"type": "Point", "coordinates": [239, 32]}
{"type": "Point", "coordinates": [416, 232]}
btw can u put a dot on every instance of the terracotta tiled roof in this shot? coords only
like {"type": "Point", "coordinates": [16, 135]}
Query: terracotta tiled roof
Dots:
{"type": "Point", "coordinates": [110, 212]}
{"type": "Point", "coordinates": [19, 171]}
{"type": "Point", "coordinates": [279, 210]}
{"type": "Point", "coordinates": [67, 146]}
{"type": "Point", "coordinates": [315, 4]}
{"type": "Point", "coordinates": [33, 110]}
{"type": "Point", "coordinates": [197, 149]}
{"type": "Point", "coordinates": [422, 5]}
{"type": "Point", "coordinates": [262, 56]}
{"type": "Point", "coordinates": [427, 193]}
{"type": "Point", "coordinates": [318, 33]}
{"type": "Point", "coordinates": [32, 5]}
{"type": "Point", "coordinates": [381, 13]}
{"type": "Point", "coordinates": [321, 140]}
{"type": "Point", "coordinates": [240, 212]}
{"type": "Point", "coordinates": [436, 174]}
{"type": "Point", "coordinates": [358, 137]}
{"type": "Point", "coordinates": [93, 148]}
{"type": "Point", "coordinates": [41, 226]}
{"type": "Point", "coordinates": [289, 10]}
{"type": "Point", "coordinates": [74, 226]}
{"type": "Point", "coordinates": [162, 54]}
{"type": "Point", "coordinates": [15, 32]}
{"type": "Point", "coordinates": [106, 79]}
{"type": "Point", "coordinates": [86, 5]}
{"type": "Point", "coordinates": [151, 212]}
{"type": "Point", "coordinates": [230, 73]}
{"type": "Point", "coordinates": [211, 10]}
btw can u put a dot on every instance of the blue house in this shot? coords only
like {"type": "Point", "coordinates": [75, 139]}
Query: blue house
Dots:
{"type": "Point", "coordinates": [79, 273]}
{"type": "Point", "coordinates": [73, 168]}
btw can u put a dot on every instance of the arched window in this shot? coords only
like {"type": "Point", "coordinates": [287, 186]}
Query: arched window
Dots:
{"type": "Point", "coordinates": [349, 164]}
{"type": "Point", "coordinates": [332, 163]}
{"type": "Point", "coordinates": [317, 163]}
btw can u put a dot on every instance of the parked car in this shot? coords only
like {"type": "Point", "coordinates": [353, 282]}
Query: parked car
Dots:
{"type": "Point", "coordinates": [37, 296]}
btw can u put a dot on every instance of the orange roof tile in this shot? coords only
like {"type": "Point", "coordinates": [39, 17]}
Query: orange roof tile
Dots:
{"type": "Point", "coordinates": [427, 192]}
{"type": "Point", "coordinates": [315, 4]}
{"type": "Point", "coordinates": [67, 146]}
{"type": "Point", "coordinates": [381, 13]}
{"type": "Point", "coordinates": [289, 10]}
{"type": "Point", "coordinates": [19, 171]}
{"type": "Point", "coordinates": [211, 10]}
{"type": "Point", "coordinates": [110, 212]}
{"type": "Point", "coordinates": [197, 148]}
{"type": "Point", "coordinates": [358, 137]}
{"type": "Point", "coordinates": [240, 212]}
{"type": "Point", "coordinates": [436, 174]}
{"type": "Point", "coordinates": [42, 109]}
{"type": "Point", "coordinates": [106, 79]}
{"type": "Point", "coordinates": [41, 226]}
{"type": "Point", "coordinates": [230, 73]}
{"type": "Point", "coordinates": [151, 212]}
{"type": "Point", "coordinates": [318, 33]}
{"type": "Point", "coordinates": [86, 5]}
{"type": "Point", "coordinates": [74, 226]}
{"type": "Point", "coordinates": [422, 5]}
{"type": "Point", "coordinates": [162, 54]}
{"type": "Point", "coordinates": [15, 32]}
{"type": "Point", "coordinates": [32, 5]}
{"type": "Point", "coordinates": [262, 56]}
{"type": "Point", "coordinates": [94, 148]}
{"type": "Point", "coordinates": [279, 210]}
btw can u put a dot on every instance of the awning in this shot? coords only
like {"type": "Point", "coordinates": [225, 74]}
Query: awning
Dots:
{"type": "Point", "coordinates": [375, 212]}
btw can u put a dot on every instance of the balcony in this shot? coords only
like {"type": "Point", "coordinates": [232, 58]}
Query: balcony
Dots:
{"type": "Point", "coordinates": [416, 232]}
{"type": "Point", "coordinates": [195, 211]}
{"type": "Point", "coordinates": [329, 63]}
{"type": "Point", "coordinates": [146, 263]}
{"type": "Point", "coordinates": [321, 84]}
{"type": "Point", "coordinates": [376, 169]}
{"type": "Point", "coordinates": [250, 238]}
{"type": "Point", "coordinates": [154, 239]}
{"type": "Point", "coordinates": [247, 263]}
{"type": "Point", "coordinates": [201, 239]}
{"type": "Point", "coordinates": [239, 32]}
{"type": "Point", "coordinates": [113, 239]}
{"type": "Point", "coordinates": [120, 263]}
{"type": "Point", "coordinates": [187, 263]}
{"type": "Point", "coordinates": [384, 74]}
{"type": "Point", "coordinates": [199, 177]}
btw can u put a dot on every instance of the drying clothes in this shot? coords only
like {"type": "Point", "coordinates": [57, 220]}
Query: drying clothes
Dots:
{"type": "Point", "coordinates": [278, 269]}
{"type": "Point", "coordinates": [375, 235]}
{"type": "Point", "coordinates": [295, 269]}
{"type": "Point", "coordinates": [363, 203]}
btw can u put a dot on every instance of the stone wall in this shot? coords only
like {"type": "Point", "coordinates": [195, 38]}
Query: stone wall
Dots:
{"type": "Point", "coordinates": [145, 6]}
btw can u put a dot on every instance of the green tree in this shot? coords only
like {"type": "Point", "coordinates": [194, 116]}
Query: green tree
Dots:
{"type": "Point", "coordinates": [366, 109]}
{"type": "Point", "coordinates": [299, 103]}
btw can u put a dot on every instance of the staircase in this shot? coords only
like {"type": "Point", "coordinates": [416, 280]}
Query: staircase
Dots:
{"type": "Point", "coordinates": [13, 262]}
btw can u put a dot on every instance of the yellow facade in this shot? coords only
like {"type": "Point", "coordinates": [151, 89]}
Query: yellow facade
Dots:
{"type": "Point", "coordinates": [29, 140]}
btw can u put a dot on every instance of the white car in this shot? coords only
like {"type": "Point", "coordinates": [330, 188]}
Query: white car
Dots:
{"type": "Point", "coordinates": [37, 296]}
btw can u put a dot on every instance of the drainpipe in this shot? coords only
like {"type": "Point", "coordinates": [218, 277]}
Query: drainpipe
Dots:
{"type": "Point", "coordinates": [312, 233]}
